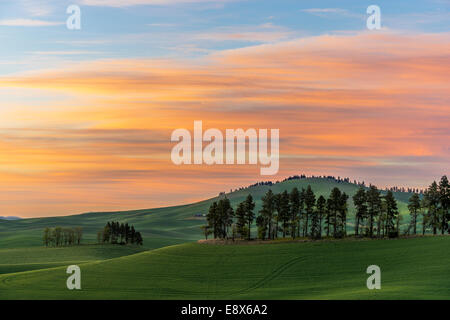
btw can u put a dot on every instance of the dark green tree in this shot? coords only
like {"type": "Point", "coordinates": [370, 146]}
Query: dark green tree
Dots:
{"type": "Point", "coordinates": [391, 212]}
{"type": "Point", "coordinates": [267, 211]}
{"type": "Point", "coordinates": [414, 207]}
{"type": "Point", "coordinates": [343, 210]}
{"type": "Point", "coordinates": [284, 213]}
{"type": "Point", "coordinates": [374, 206]}
{"type": "Point", "coordinates": [262, 224]}
{"type": "Point", "coordinates": [294, 201]}
{"type": "Point", "coordinates": [321, 208]}
{"type": "Point", "coordinates": [241, 221]}
{"type": "Point", "coordinates": [432, 200]}
{"type": "Point", "coordinates": [334, 206]}
{"type": "Point", "coordinates": [212, 219]}
{"type": "Point", "coordinates": [302, 214]}
{"type": "Point", "coordinates": [310, 202]}
{"type": "Point", "coordinates": [249, 214]}
{"type": "Point", "coordinates": [444, 199]}
{"type": "Point", "coordinates": [360, 202]}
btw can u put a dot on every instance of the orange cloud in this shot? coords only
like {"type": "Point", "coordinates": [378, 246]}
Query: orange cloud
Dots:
{"type": "Point", "coordinates": [373, 106]}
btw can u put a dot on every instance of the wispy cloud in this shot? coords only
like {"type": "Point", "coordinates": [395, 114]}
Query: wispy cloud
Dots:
{"type": "Point", "coordinates": [325, 10]}
{"type": "Point", "coordinates": [28, 23]}
{"type": "Point", "coordinates": [328, 12]}
{"type": "Point", "coordinates": [163, 25]}
{"type": "Point", "coordinates": [128, 3]}
{"type": "Point", "coordinates": [39, 8]}
{"type": "Point", "coordinates": [267, 32]}
{"type": "Point", "coordinates": [65, 53]}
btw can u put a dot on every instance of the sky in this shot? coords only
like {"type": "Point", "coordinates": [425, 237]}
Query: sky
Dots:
{"type": "Point", "coordinates": [86, 115]}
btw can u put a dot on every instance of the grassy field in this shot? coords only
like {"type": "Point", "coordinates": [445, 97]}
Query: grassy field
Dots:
{"type": "Point", "coordinates": [164, 226]}
{"type": "Point", "coordinates": [415, 268]}
{"type": "Point", "coordinates": [25, 259]}
{"type": "Point", "coordinates": [171, 265]}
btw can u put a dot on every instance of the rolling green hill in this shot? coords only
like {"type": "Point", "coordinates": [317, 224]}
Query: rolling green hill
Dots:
{"type": "Point", "coordinates": [415, 268]}
{"type": "Point", "coordinates": [33, 258]}
{"type": "Point", "coordinates": [163, 226]}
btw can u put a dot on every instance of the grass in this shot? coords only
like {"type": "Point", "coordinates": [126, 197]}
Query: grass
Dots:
{"type": "Point", "coordinates": [25, 259]}
{"type": "Point", "coordinates": [163, 226]}
{"type": "Point", "coordinates": [415, 268]}
{"type": "Point", "coordinates": [171, 265]}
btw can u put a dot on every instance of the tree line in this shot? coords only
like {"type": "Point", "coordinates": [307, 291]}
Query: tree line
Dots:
{"type": "Point", "coordinates": [58, 236]}
{"type": "Point", "coordinates": [330, 178]}
{"type": "Point", "coordinates": [303, 214]}
{"type": "Point", "coordinates": [119, 233]}
{"type": "Point", "coordinates": [433, 209]}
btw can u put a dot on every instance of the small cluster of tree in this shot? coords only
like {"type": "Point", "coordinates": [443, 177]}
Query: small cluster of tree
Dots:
{"type": "Point", "coordinates": [59, 236]}
{"type": "Point", "coordinates": [221, 219]}
{"type": "Point", "coordinates": [302, 214]}
{"type": "Point", "coordinates": [119, 233]}
{"type": "Point", "coordinates": [405, 190]}
{"type": "Point", "coordinates": [433, 208]}
{"type": "Point", "coordinates": [376, 215]}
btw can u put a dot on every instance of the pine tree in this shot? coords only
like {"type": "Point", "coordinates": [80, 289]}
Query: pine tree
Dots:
{"type": "Point", "coordinates": [391, 212]}
{"type": "Point", "coordinates": [374, 206]}
{"type": "Point", "coordinates": [294, 200]}
{"type": "Point", "coordinates": [328, 216]}
{"type": "Point", "coordinates": [241, 221]}
{"type": "Point", "coordinates": [432, 199]}
{"type": "Point", "coordinates": [268, 208]}
{"type": "Point", "coordinates": [444, 199]}
{"type": "Point", "coordinates": [249, 214]}
{"type": "Point", "coordinates": [46, 237]}
{"type": "Point", "coordinates": [261, 223]}
{"type": "Point", "coordinates": [277, 205]}
{"type": "Point", "coordinates": [302, 212]}
{"type": "Point", "coordinates": [284, 213]}
{"type": "Point", "coordinates": [425, 217]}
{"type": "Point", "coordinates": [132, 235]}
{"type": "Point", "coordinates": [321, 212]}
{"type": "Point", "coordinates": [127, 233]}
{"type": "Point", "coordinates": [343, 209]}
{"type": "Point", "coordinates": [310, 202]}
{"type": "Point", "coordinates": [360, 202]}
{"type": "Point", "coordinates": [78, 234]}
{"type": "Point", "coordinates": [212, 219]}
{"type": "Point", "coordinates": [414, 207]}
{"type": "Point", "coordinates": [107, 233]}
{"type": "Point", "coordinates": [334, 207]}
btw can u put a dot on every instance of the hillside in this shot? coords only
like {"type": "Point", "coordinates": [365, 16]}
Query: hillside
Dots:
{"type": "Point", "coordinates": [413, 268]}
{"type": "Point", "coordinates": [34, 258]}
{"type": "Point", "coordinates": [164, 226]}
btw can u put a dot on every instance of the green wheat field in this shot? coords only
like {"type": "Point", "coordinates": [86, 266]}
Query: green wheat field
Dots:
{"type": "Point", "coordinates": [172, 265]}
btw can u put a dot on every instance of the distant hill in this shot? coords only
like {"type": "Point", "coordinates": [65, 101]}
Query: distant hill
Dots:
{"type": "Point", "coordinates": [10, 218]}
{"type": "Point", "coordinates": [170, 225]}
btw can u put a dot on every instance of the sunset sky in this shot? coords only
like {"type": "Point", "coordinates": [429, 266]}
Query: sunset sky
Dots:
{"type": "Point", "coordinates": [86, 115]}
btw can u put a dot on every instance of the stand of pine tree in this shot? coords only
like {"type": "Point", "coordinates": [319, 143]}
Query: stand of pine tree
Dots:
{"type": "Point", "coordinates": [300, 213]}
{"type": "Point", "coordinates": [119, 233]}
{"type": "Point", "coordinates": [58, 236]}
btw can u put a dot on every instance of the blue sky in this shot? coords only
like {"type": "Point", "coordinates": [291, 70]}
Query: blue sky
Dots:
{"type": "Point", "coordinates": [34, 34]}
